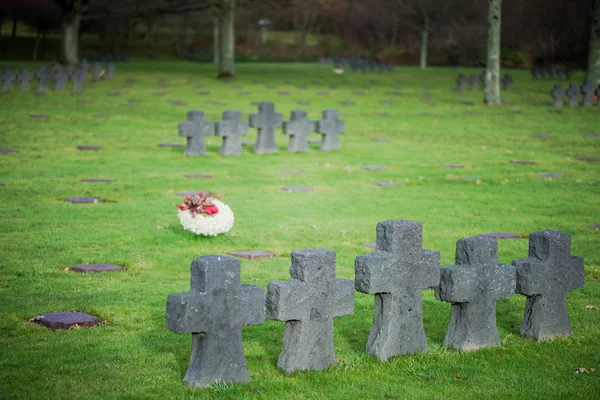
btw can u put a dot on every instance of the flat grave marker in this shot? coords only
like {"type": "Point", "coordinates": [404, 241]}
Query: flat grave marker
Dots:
{"type": "Point", "coordinates": [4, 150]}
{"type": "Point", "coordinates": [171, 145]}
{"type": "Point", "coordinates": [207, 176]}
{"type": "Point", "coordinates": [251, 254]}
{"type": "Point", "coordinates": [85, 268]}
{"type": "Point", "coordinates": [374, 168]}
{"type": "Point", "coordinates": [83, 200]}
{"type": "Point", "coordinates": [66, 320]}
{"type": "Point", "coordinates": [588, 159]}
{"type": "Point", "coordinates": [96, 180]}
{"type": "Point", "coordinates": [449, 165]}
{"type": "Point", "coordinates": [501, 235]}
{"type": "Point", "coordinates": [550, 175]}
{"type": "Point", "coordinates": [387, 184]}
{"type": "Point", "coordinates": [38, 116]}
{"type": "Point", "coordinates": [84, 147]}
{"type": "Point", "coordinates": [297, 189]}
{"type": "Point", "coordinates": [522, 162]}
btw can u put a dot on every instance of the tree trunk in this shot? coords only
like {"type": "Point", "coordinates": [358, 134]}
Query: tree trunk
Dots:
{"type": "Point", "coordinates": [593, 71]}
{"type": "Point", "coordinates": [227, 55]}
{"type": "Point", "coordinates": [424, 46]}
{"type": "Point", "coordinates": [216, 48]}
{"type": "Point", "coordinates": [492, 73]}
{"type": "Point", "coordinates": [14, 27]}
{"type": "Point", "coordinates": [70, 34]}
{"type": "Point", "coordinates": [37, 44]}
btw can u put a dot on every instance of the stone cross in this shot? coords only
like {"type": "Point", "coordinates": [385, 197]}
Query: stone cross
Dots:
{"type": "Point", "coordinates": [78, 76]}
{"type": "Point", "coordinates": [110, 71]}
{"type": "Point", "coordinates": [25, 79]}
{"type": "Point", "coordinates": [214, 311]}
{"type": "Point", "coordinates": [43, 75]}
{"type": "Point", "coordinates": [507, 82]}
{"type": "Point", "coordinates": [195, 129]}
{"type": "Point", "coordinates": [84, 66]}
{"type": "Point", "coordinates": [330, 127]}
{"type": "Point", "coordinates": [70, 70]}
{"type": "Point", "coordinates": [7, 80]}
{"type": "Point", "coordinates": [297, 128]}
{"type": "Point", "coordinates": [474, 82]}
{"type": "Point", "coordinates": [60, 78]}
{"type": "Point", "coordinates": [97, 72]}
{"type": "Point", "coordinates": [396, 272]}
{"type": "Point", "coordinates": [473, 285]}
{"type": "Point", "coordinates": [557, 94]}
{"type": "Point", "coordinates": [461, 82]}
{"type": "Point", "coordinates": [545, 278]}
{"type": "Point", "coordinates": [573, 95]}
{"type": "Point", "coordinates": [231, 129]}
{"type": "Point", "coordinates": [587, 91]}
{"type": "Point", "coordinates": [307, 303]}
{"type": "Point", "coordinates": [266, 121]}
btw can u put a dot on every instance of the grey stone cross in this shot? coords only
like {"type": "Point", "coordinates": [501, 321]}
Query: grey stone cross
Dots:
{"type": "Point", "coordinates": [507, 82]}
{"type": "Point", "coordinates": [330, 127]}
{"type": "Point", "coordinates": [7, 80]}
{"type": "Point", "coordinates": [231, 129]}
{"type": "Point", "coordinates": [545, 278]}
{"type": "Point", "coordinates": [307, 303]}
{"type": "Point", "coordinates": [461, 82]}
{"type": "Point", "coordinates": [110, 71]}
{"type": "Point", "coordinates": [473, 285]}
{"type": "Point", "coordinates": [97, 72]}
{"type": "Point", "coordinates": [557, 94]}
{"type": "Point", "coordinates": [573, 95]}
{"type": "Point", "coordinates": [587, 91]}
{"type": "Point", "coordinates": [60, 78]}
{"type": "Point", "coordinates": [77, 76]}
{"type": "Point", "coordinates": [195, 129]}
{"type": "Point", "coordinates": [214, 311]}
{"type": "Point", "coordinates": [43, 75]}
{"type": "Point", "coordinates": [474, 81]}
{"type": "Point", "coordinates": [396, 272]}
{"type": "Point", "coordinates": [25, 79]}
{"type": "Point", "coordinates": [266, 121]}
{"type": "Point", "coordinates": [297, 128]}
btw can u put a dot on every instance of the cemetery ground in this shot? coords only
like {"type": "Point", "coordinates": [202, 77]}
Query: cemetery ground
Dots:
{"type": "Point", "coordinates": [409, 122]}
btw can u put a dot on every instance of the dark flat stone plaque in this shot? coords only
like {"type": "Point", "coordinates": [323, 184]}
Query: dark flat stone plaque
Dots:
{"type": "Point", "coordinates": [374, 168]}
{"type": "Point", "coordinates": [5, 151]}
{"type": "Point", "coordinates": [389, 183]}
{"type": "Point", "coordinates": [453, 165]}
{"type": "Point", "coordinates": [297, 189]}
{"type": "Point", "coordinates": [502, 235]}
{"type": "Point", "coordinates": [550, 175]}
{"type": "Point", "coordinates": [38, 116]}
{"type": "Point", "coordinates": [173, 145]}
{"type": "Point", "coordinates": [85, 268]}
{"type": "Point", "coordinates": [87, 147]}
{"type": "Point", "coordinates": [83, 200]}
{"type": "Point", "coordinates": [97, 180]}
{"type": "Point", "coordinates": [251, 254]}
{"type": "Point", "coordinates": [198, 175]}
{"type": "Point", "coordinates": [522, 162]}
{"type": "Point", "coordinates": [589, 159]}
{"type": "Point", "coordinates": [66, 320]}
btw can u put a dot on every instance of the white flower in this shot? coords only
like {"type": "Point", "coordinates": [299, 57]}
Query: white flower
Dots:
{"type": "Point", "coordinates": [209, 225]}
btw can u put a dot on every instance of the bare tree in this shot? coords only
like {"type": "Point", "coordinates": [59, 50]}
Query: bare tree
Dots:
{"type": "Point", "coordinates": [492, 73]}
{"type": "Point", "coordinates": [593, 70]}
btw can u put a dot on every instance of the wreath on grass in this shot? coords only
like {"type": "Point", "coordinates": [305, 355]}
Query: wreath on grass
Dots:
{"type": "Point", "coordinates": [202, 214]}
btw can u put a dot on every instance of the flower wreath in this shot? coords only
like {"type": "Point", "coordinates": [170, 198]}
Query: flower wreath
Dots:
{"type": "Point", "coordinates": [205, 215]}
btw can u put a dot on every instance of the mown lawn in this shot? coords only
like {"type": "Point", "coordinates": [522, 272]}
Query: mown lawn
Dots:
{"type": "Point", "coordinates": [134, 355]}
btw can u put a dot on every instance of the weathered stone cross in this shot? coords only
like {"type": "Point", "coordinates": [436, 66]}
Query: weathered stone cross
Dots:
{"type": "Point", "coordinates": [557, 94]}
{"type": "Point", "coordinates": [307, 303]}
{"type": "Point", "coordinates": [231, 129]}
{"type": "Point", "coordinates": [195, 129]}
{"type": "Point", "coordinates": [60, 78]}
{"type": "Point", "coordinates": [587, 91]}
{"type": "Point", "coordinates": [8, 78]}
{"type": "Point", "coordinates": [396, 272]}
{"type": "Point", "coordinates": [266, 121]}
{"type": "Point", "coordinates": [545, 278]}
{"type": "Point", "coordinates": [473, 285]}
{"type": "Point", "coordinates": [214, 311]}
{"type": "Point", "coordinates": [330, 127]}
{"type": "Point", "coordinates": [573, 95]}
{"type": "Point", "coordinates": [297, 128]}
{"type": "Point", "coordinates": [24, 79]}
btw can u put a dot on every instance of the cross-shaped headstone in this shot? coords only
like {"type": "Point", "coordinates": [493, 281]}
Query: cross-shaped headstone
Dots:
{"type": "Point", "coordinates": [78, 76]}
{"type": "Point", "coordinates": [24, 79]}
{"type": "Point", "coordinates": [266, 121]}
{"type": "Point", "coordinates": [110, 71]}
{"type": "Point", "coordinates": [461, 82]}
{"type": "Point", "coordinates": [214, 311]}
{"type": "Point", "coordinates": [474, 82]}
{"type": "Point", "coordinates": [195, 129]}
{"type": "Point", "coordinates": [545, 278]}
{"type": "Point", "coordinates": [60, 78]}
{"type": "Point", "coordinates": [307, 303]}
{"type": "Point", "coordinates": [97, 72]}
{"type": "Point", "coordinates": [573, 95]}
{"type": "Point", "coordinates": [7, 80]}
{"type": "Point", "coordinates": [587, 91]}
{"type": "Point", "coordinates": [396, 273]}
{"type": "Point", "coordinates": [330, 127]}
{"type": "Point", "coordinates": [507, 82]}
{"type": "Point", "coordinates": [231, 129]}
{"type": "Point", "coordinates": [473, 285]}
{"type": "Point", "coordinates": [557, 94]}
{"type": "Point", "coordinates": [43, 75]}
{"type": "Point", "coordinates": [70, 70]}
{"type": "Point", "coordinates": [297, 128]}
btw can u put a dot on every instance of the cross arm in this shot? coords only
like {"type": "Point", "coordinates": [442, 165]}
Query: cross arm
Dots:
{"type": "Point", "coordinates": [531, 276]}
{"type": "Point", "coordinates": [504, 281]}
{"type": "Point", "coordinates": [188, 313]}
{"type": "Point", "coordinates": [430, 265]}
{"type": "Point", "coordinates": [342, 300]}
{"type": "Point", "coordinates": [457, 284]}
{"type": "Point", "coordinates": [373, 272]}
{"type": "Point", "coordinates": [287, 301]}
{"type": "Point", "coordinates": [252, 304]}
{"type": "Point", "coordinates": [575, 270]}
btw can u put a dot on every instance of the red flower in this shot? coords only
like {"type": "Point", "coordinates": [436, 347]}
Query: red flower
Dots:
{"type": "Point", "coordinates": [181, 207]}
{"type": "Point", "coordinates": [210, 210]}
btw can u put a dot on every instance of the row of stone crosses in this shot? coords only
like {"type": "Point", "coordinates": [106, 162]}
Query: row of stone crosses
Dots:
{"type": "Point", "coordinates": [217, 306]}
{"type": "Point", "coordinates": [478, 82]}
{"type": "Point", "coordinates": [231, 129]}
{"type": "Point", "coordinates": [362, 64]}
{"type": "Point", "coordinates": [551, 72]}
{"type": "Point", "coordinates": [58, 74]}
{"type": "Point", "coordinates": [573, 92]}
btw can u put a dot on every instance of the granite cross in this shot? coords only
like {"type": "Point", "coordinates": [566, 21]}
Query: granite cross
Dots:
{"type": "Point", "coordinates": [60, 78]}
{"type": "Point", "coordinates": [97, 72]}
{"type": "Point", "coordinates": [474, 82]}
{"type": "Point", "coordinates": [231, 129]}
{"type": "Point", "coordinates": [307, 303]}
{"type": "Point", "coordinates": [25, 79]}
{"type": "Point", "coordinates": [461, 82]}
{"type": "Point", "coordinates": [297, 128]}
{"type": "Point", "coordinates": [473, 285]}
{"type": "Point", "coordinates": [43, 75]}
{"type": "Point", "coordinates": [587, 91]}
{"type": "Point", "coordinates": [330, 127]}
{"type": "Point", "coordinates": [195, 129]}
{"type": "Point", "coordinates": [8, 78]}
{"type": "Point", "coordinates": [266, 121]}
{"type": "Point", "coordinates": [573, 95]}
{"type": "Point", "coordinates": [110, 71]}
{"type": "Point", "coordinates": [557, 94]}
{"type": "Point", "coordinates": [507, 82]}
{"type": "Point", "coordinates": [545, 278]}
{"type": "Point", "coordinates": [78, 76]}
{"type": "Point", "coordinates": [396, 272]}
{"type": "Point", "coordinates": [214, 311]}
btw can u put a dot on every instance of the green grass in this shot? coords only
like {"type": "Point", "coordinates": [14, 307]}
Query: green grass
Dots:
{"type": "Point", "coordinates": [135, 356]}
